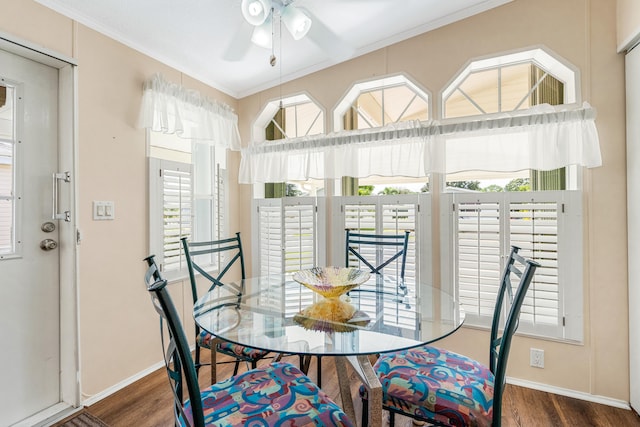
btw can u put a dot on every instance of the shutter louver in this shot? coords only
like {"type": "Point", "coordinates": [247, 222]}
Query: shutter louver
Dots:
{"type": "Point", "coordinates": [220, 198]}
{"type": "Point", "coordinates": [270, 220]}
{"type": "Point", "coordinates": [479, 263]}
{"type": "Point", "coordinates": [534, 228]}
{"type": "Point", "coordinates": [176, 213]}
{"type": "Point", "coordinates": [299, 237]}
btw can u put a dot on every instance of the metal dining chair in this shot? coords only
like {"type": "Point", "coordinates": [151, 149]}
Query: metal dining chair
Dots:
{"type": "Point", "coordinates": [369, 252]}
{"type": "Point", "coordinates": [225, 253]}
{"type": "Point", "coordinates": [279, 394]}
{"type": "Point", "coordinates": [444, 388]}
{"type": "Point", "coordinates": [377, 251]}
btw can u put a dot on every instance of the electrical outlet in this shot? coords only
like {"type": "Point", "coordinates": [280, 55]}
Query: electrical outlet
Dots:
{"type": "Point", "coordinates": [536, 358]}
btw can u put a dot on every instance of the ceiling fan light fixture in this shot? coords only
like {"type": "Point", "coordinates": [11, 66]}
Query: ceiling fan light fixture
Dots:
{"type": "Point", "coordinates": [296, 21]}
{"type": "Point", "coordinates": [261, 35]}
{"type": "Point", "coordinates": [255, 12]}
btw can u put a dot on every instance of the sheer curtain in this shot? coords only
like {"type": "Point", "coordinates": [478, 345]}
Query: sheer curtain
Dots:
{"type": "Point", "coordinates": [170, 108]}
{"type": "Point", "coordinates": [541, 138]}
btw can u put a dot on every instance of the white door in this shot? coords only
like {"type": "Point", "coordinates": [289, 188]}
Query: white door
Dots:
{"type": "Point", "coordinates": [29, 256]}
{"type": "Point", "coordinates": [632, 60]}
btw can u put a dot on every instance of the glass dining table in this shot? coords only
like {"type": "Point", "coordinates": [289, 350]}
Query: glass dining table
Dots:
{"type": "Point", "coordinates": [268, 313]}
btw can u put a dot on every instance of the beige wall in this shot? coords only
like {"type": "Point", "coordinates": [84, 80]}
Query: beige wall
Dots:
{"type": "Point", "coordinates": [628, 23]}
{"type": "Point", "coordinates": [119, 327]}
{"type": "Point", "coordinates": [584, 33]}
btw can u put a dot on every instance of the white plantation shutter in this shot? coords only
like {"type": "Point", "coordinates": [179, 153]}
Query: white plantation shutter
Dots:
{"type": "Point", "coordinates": [7, 225]}
{"type": "Point", "coordinates": [270, 237]}
{"type": "Point", "coordinates": [299, 237]}
{"type": "Point", "coordinates": [378, 215]}
{"type": "Point", "coordinates": [220, 200]}
{"type": "Point", "coordinates": [534, 228]}
{"type": "Point", "coordinates": [171, 201]}
{"type": "Point", "coordinates": [547, 227]}
{"type": "Point", "coordinates": [479, 256]}
{"type": "Point", "coordinates": [391, 214]}
{"type": "Point", "coordinates": [287, 232]}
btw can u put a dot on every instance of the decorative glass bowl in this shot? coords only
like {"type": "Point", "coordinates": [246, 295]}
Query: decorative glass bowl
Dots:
{"type": "Point", "coordinates": [331, 282]}
{"type": "Point", "coordinates": [332, 312]}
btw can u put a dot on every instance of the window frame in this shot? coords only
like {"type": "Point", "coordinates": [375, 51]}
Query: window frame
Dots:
{"type": "Point", "coordinates": [218, 203]}
{"type": "Point", "coordinates": [542, 57]}
{"type": "Point", "coordinates": [569, 254]}
{"type": "Point", "coordinates": [390, 81]}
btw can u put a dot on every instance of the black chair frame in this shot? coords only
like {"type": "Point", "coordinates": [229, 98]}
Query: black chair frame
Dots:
{"type": "Point", "coordinates": [400, 241]}
{"type": "Point", "coordinates": [500, 344]}
{"type": "Point", "coordinates": [177, 357]}
{"type": "Point", "coordinates": [231, 245]}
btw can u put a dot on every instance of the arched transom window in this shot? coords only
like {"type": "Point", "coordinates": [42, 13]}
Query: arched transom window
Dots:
{"type": "Point", "coordinates": [508, 83]}
{"type": "Point", "coordinates": [290, 117]}
{"type": "Point", "coordinates": [381, 102]}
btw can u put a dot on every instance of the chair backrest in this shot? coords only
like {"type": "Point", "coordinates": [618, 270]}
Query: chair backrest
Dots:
{"type": "Point", "coordinates": [177, 354]}
{"type": "Point", "coordinates": [370, 249]}
{"type": "Point", "coordinates": [231, 247]}
{"type": "Point", "coordinates": [523, 269]}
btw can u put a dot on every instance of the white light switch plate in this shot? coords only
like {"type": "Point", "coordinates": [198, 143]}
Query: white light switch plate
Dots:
{"type": "Point", "coordinates": [103, 211]}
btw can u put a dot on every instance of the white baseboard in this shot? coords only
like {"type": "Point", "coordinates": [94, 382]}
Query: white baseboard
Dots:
{"type": "Point", "coordinates": [570, 393]}
{"type": "Point", "coordinates": [616, 403]}
{"type": "Point", "coordinates": [117, 387]}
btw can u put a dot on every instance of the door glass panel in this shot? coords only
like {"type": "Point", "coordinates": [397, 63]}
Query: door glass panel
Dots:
{"type": "Point", "coordinates": [7, 143]}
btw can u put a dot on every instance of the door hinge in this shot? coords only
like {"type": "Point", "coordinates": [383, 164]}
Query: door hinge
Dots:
{"type": "Point", "coordinates": [563, 208]}
{"type": "Point", "coordinates": [564, 321]}
{"type": "Point", "coordinates": [78, 237]}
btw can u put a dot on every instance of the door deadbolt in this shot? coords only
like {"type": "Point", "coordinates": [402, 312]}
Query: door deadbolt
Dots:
{"type": "Point", "coordinates": [48, 227]}
{"type": "Point", "coordinates": [48, 244]}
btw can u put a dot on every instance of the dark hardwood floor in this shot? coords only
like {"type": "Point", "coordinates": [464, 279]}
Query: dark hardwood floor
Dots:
{"type": "Point", "coordinates": [148, 403]}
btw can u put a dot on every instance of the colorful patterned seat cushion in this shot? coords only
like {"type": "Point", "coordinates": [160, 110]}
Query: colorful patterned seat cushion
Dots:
{"type": "Point", "coordinates": [235, 350]}
{"type": "Point", "coordinates": [436, 384]}
{"type": "Point", "coordinates": [277, 395]}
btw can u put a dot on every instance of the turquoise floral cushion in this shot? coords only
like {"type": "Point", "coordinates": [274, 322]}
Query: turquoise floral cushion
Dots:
{"type": "Point", "coordinates": [437, 384]}
{"type": "Point", "coordinates": [235, 350]}
{"type": "Point", "coordinates": [277, 395]}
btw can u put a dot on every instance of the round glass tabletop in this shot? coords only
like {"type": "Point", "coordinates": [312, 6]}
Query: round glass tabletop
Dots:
{"type": "Point", "coordinates": [277, 314]}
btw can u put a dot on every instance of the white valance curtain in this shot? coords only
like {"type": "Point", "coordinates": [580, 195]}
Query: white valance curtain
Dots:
{"type": "Point", "coordinates": [541, 138]}
{"type": "Point", "coordinates": [170, 108]}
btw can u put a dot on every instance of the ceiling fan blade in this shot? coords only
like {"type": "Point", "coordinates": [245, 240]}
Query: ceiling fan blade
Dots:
{"type": "Point", "coordinates": [327, 40]}
{"type": "Point", "coordinates": [240, 43]}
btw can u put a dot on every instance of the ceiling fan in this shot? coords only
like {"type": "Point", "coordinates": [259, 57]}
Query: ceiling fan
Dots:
{"type": "Point", "coordinates": [263, 17]}
{"type": "Point", "coordinates": [261, 14]}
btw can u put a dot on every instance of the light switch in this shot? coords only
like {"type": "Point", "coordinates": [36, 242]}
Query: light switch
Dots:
{"type": "Point", "coordinates": [103, 210]}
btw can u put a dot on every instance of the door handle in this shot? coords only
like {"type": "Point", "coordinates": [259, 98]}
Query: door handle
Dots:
{"type": "Point", "coordinates": [64, 177]}
{"type": "Point", "coordinates": [48, 244]}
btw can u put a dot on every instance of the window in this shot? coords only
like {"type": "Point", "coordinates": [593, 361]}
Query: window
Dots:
{"type": "Point", "coordinates": [539, 211]}
{"type": "Point", "coordinates": [8, 230]}
{"type": "Point", "coordinates": [187, 197]}
{"type": "Point", "coordinates": [392, 214]}
{"type": "Point", "coordinates": [377, 103]}
{"type": "Point", "coordinates": [484, 206]}
{"type": "Point", "coordinates": [288, 234]}
{"type": "Point", "coordinates": [291, 117]}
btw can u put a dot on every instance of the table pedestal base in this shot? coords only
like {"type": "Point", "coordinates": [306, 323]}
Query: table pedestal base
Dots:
{"type": "Point", "coordinates": [362, 366]}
